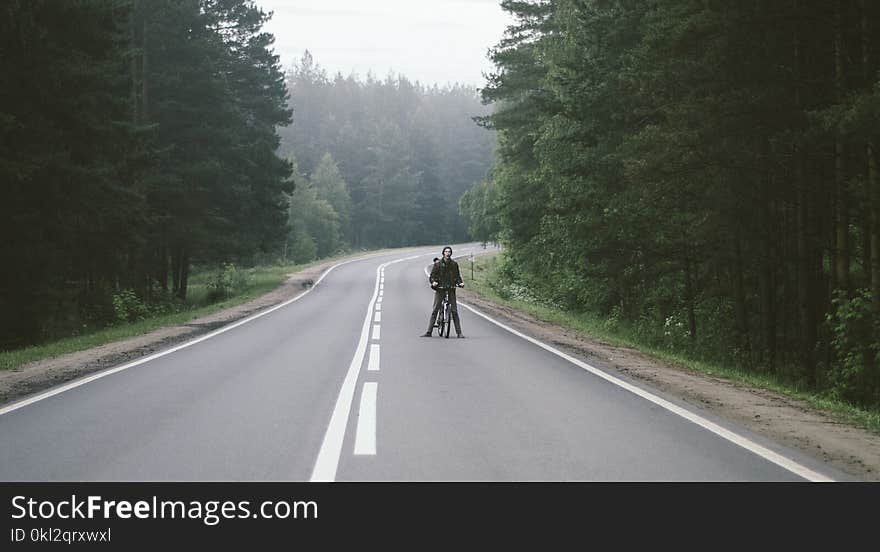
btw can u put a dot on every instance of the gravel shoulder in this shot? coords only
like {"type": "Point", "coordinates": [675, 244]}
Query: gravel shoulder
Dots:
{"type": "Point", "coordinates": [785, 420]}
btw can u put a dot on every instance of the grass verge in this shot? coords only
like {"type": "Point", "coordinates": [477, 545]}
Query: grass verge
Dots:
{"type": "Point", "coordinates": [593, 325]}
{"type": "Point", "coordinates": [259, 281]}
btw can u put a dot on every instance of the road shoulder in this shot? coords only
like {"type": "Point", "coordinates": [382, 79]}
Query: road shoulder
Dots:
{"type": "Point", "coordinates": [785, 420]}
{"type": "Point", "coordinates": [43, 374]}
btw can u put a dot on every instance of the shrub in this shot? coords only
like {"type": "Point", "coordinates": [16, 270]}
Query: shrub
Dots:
{"type": "Point", "coordinates": [128, 307]}
{"type": "Point", "coordinates": [225, 282]}
{"type": "Point", "coordinates": [855, 337]}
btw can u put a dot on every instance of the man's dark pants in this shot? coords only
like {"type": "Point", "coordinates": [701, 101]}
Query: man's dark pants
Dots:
{"type": "Point", "coordinates": [453, 308]}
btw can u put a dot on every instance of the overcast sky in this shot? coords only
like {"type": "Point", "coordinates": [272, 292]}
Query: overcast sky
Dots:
{"type": "Point", "coordinates": [432, 41]}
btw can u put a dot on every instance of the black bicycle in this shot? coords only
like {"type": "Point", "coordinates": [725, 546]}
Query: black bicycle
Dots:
{"type": "Point", "coordinates": [444, 317]}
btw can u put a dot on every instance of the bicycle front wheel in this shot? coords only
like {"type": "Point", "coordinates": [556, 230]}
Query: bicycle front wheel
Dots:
{"type": "Point", "coordinates": [447, 321]}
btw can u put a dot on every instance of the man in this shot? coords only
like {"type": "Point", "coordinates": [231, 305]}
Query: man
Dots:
{"type": "Point", "coordinates": [445, 273]}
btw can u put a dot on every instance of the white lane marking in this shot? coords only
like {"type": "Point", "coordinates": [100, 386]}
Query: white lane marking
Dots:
{"type": "Point", "coordinates": [734, 438]}
{"type": "Point", "coordinates": [382, 286]}
{"type": "Point", "coordinates": [365, 437]}
{"type": "Point", "coordinates": [379, 301]}
{"type": "Point", "coordinates": [380, 293]}
{"type": "Point", "coordinates": [378, 307]}
{"type": "Point", "coordinates": [77, 383]}
{"type": "Point", "coordinates": [331, 447]}
{"type": "Point", "coordinates": [376, 331]}
{"type": "Point", "coordinates": [378, 317]}
{"type": "Point", "coordinates": [373, 364]}
{"type": "Point", "coordinates": [382, 280]}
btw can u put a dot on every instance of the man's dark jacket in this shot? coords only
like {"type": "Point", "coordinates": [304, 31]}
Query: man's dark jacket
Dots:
{"type": "Point", "coordinates": [446, 273]}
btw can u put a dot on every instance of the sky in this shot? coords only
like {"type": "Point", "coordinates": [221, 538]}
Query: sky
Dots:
{"type": "Point", "coordinates": [432, 41]}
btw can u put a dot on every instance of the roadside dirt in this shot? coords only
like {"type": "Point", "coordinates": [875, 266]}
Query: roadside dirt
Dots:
{"type": "Point", "coordinates": [40, 375]}
{"type": "Point", "coordinates": [794, 423]}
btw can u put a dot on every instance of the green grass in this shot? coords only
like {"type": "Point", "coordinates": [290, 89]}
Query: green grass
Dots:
{"type": "Point", "coordinates": [260, 280]}
{"type": "Point", "coordinates": [593, 325]}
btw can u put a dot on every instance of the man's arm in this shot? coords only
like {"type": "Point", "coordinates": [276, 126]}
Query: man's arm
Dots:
{"type": "Point", "coordinates": [458, 280]}
{"type": "Point", "coordinates": [433, 277]}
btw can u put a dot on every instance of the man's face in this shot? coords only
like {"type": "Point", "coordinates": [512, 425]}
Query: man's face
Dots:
{"type": "Point", "coordinates": [447, 253]}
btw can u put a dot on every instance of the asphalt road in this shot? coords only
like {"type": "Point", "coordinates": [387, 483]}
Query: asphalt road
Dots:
{"type": "Point", "coordinates": [338, 385]}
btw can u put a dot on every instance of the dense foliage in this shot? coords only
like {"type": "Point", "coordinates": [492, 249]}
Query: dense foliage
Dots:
{"type": "Point", "coordinates": [137, 137]}
{"type": "Point", "coordinates": [705, 171]}
{"type": "Point", "coordinates": [405, 152]}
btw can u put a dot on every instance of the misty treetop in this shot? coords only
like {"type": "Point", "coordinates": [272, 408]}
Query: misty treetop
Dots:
{"type": "Point", "coordinates": [704, 171]}
{"type": "Point", "coordinates": [137, 137]}
{"type": "Point", "coordinates": [405, 152]}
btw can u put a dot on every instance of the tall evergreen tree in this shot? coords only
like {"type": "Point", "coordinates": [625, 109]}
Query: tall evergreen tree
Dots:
{"type": "Point", "coordinates": [697, 163]}
{"type": "Point", "coordinates": [138, 137]}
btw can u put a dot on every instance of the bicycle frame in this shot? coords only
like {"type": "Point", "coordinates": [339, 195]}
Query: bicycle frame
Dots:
{"type": "Point", "coordinates": [444, 318]}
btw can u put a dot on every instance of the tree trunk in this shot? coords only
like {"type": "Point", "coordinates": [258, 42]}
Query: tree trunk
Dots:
{"type": "Point", "coordinates": [162, 267]}
{"type": "Point", "coordinates": [689, 298]}
{"type": "Point", "coordinates": [768, 313]}
{"type": "Point", "coordinates": [873, 183]}
{"type": "Point", "coordinates": [175, 270]}
{"type": "Point", "coordinates": [841, 207]}
{"type": "Point", "coordinates": [742, 319]}
{"type": "Point", "coordinates": [144, 80]}
{"type": "Point", "coordinates": [184, 275]}
{"type": "Point", "coordinates": [808, 305]}
{"type": "Point", "coordinates": [874, 187]}
{"type": "Point", "coordinates": [133, 26]}
{"type": "Point", "coordinates": [767, 283]}
{"type": "Point", "coordinates": [805, 299]}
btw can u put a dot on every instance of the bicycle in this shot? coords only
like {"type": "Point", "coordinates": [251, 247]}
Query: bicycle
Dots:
{"type": "Point", "coordinates": [444, 317]}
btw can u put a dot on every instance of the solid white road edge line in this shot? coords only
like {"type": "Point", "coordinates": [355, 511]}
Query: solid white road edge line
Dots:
{"type": "Point", "coordinates": [734, 438]}
{"type": "Point", "coordinates": [76, 383]}
{"type": "Point", "coordinates": [365, 437]}
{"type": "Point", "coordinates": [331, 447]}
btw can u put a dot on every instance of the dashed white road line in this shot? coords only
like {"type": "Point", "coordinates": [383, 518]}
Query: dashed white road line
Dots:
{"type": "Point", "coordinates": [378, 307]}
{"type": "Point", "coordinates": [378, 317]}
{"type": "Point", "coordinates": [365, 436]}
{"type": "Point", "coordinates": [376, 331]}
{"type": "Point", "coordinates": [373, 364]}
{"type": "Point", "coordinates": [331, 447]}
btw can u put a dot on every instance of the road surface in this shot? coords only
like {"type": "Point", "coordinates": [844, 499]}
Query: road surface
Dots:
{"type": "Point", "coordinates": [338, 386]}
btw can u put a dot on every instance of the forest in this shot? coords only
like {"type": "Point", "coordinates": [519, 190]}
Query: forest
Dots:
{"type": "Point", "coordinates": [404, 153]}
{"type": "Point", "coordinates": [702, 171]}
{"type": "Point", "coordinates": [136, 138]}
{"type": "Point", "coordinates": [142, 139]}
